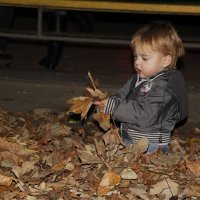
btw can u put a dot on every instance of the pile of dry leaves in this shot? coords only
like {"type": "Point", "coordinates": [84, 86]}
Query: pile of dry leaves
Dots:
{"type": "Point", "coordinates": [43, 157]}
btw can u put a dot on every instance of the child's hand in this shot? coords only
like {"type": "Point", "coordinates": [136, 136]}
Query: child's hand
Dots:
{"type": "Point", "coordinates": [101, 104]}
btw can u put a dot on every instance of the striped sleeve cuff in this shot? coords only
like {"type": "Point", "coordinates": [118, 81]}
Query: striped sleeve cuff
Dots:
{"type": "Point", "coordinates": [110, 106]}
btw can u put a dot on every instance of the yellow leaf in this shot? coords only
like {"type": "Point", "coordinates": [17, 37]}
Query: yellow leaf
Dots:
{"type": "Point", "coordinates": [80, 105]}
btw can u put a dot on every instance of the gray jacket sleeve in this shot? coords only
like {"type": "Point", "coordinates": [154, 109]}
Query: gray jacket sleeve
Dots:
{"type": "Point", "coordinates": [121, 95]}
{"type": "Point", "coordinates": [149, 109]}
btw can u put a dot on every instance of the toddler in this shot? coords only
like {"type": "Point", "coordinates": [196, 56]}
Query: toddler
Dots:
{"type": "Point", "coordinates": [154, 99]}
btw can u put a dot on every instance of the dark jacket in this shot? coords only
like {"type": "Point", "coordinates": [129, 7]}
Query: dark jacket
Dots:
{"type": "Point", "coordinates": [150, 107]}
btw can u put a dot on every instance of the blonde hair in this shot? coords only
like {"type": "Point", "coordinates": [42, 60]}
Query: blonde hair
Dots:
{"type": "Point", "coordinates": [162, 37]}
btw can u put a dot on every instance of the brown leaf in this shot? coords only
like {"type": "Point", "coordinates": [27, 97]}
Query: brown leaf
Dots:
{"type": "Point", "coordinates": [142, 145]}
{"type": "Point", "coordinates": [8, 159]}
{"type": "Point", "coordinates": [102, 190]}
{"type": "Point", "coordinates": [99, 148]}
{"type": "Point", "coordinates": [39, 190]}
{"type": "Point", "coordinates": [139, 192]}
{"type": "Point", "coordinates": [10, 195]}
{"type": "Point", "coordinates": [14, 148]}
{"type": "Point", "coordinates": [194, 166]}
{"type": "Point", "coordinates": [58, 129]}
{"type": "Point", "coordinates": [80, 105]}
{"type": "Point", "coordinates": [112, 137]}
{"type": "Point", "coordinates": [103, 120]}
{"type": "Point", "coordinates": [88, 157]}
{"type": "Point", "coordinates": [167, 187]}
{"type": "Point", "coordinates": [61, 165]}
{"type": "Point", "coordinates": [164, 160]}
{"type": "Point", "coordinates": [27, 166]}
{"type": "Point", "coordinates": [129, 174]}
{"type": "Point", "coordinates": [5, 180]}
{"type": "Point", "coordinates": [57, 186]}
{"type": "Point", "coordinates": [114, 197]}
{"type": "Point", "coordinates": [109, 180]}
{"type": "Point", "coordinates": [96, 93]}
{"type": "Point", "coordinates": [193, 190]}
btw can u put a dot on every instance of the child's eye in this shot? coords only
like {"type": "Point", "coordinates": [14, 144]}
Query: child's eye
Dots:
{"type": "Point", "coordinates": [144, 58]}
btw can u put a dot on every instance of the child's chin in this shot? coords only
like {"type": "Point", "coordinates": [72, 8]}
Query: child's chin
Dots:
{"type": "Point", "coordinates": [142, 76]}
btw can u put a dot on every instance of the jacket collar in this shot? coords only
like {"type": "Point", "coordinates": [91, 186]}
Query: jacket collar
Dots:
{"type": "Point", "coordinates": [150, 79]}
{"type": "Point", "coordinates": [164, 72]}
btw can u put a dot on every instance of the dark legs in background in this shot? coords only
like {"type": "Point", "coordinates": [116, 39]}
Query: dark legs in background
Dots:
{"type": "Point", "coordinates": [82, 20]}
{"type": "Point", "coordinates": [54, 54]}
{"type": "Point", "coordinates": [55, 48]}
{"type": "Point", "coordinates": [6, 18]}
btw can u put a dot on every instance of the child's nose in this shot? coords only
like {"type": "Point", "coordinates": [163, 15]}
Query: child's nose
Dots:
{"type": "Point", "coordinates": [136, 61]}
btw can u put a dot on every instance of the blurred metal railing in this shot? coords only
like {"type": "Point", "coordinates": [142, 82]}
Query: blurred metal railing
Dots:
{"type": "Point", "coordinates": [108, 6]}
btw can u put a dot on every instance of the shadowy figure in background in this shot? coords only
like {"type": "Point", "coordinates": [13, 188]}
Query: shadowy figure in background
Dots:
{"type": "Point", "coordinates": [82, 20]}
{"type": "Point", "coordinates": [6, 18]}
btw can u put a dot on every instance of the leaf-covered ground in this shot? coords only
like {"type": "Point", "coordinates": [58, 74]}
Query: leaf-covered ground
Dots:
{"type": "Point", "coordinates": [47, 156]}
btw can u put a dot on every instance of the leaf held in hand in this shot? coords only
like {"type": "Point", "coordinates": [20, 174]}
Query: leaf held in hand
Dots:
{"type": "Point", "coordinates": [96, 93]}
{"type": "Point", "coordinates": [80, 105]}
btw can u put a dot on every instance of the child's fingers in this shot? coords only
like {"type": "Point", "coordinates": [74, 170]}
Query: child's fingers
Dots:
{"type": "Point", "coordinates": [97, 103]}
{"type": "Point", "coordinates": [102, 102]}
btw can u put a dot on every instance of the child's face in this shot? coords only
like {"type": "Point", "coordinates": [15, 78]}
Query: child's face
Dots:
{"type": "Point", "coordinates": [149, 63]}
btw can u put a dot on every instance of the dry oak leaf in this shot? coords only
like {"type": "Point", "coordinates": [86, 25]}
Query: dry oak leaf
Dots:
{"type": "Point", "coordinates": [88, 157]}
{"type": "Point", "coordinates": [15, 148]}
{"type": "Point", "coordinates": [129, 174]}
{"type": "Point", "coordinates": [102, 190]}
{"type": "Point", "coordinates": [80, 105]}
{"type": "Point", "coordinates": [58, 129]}
{"type": "Point", "coordinates": [109, 180]}
{"type": "Point", "coordinates": [8, 159]}
{"type": "Point", "coordinates": [61, 165]}
{"type": "Point", "coordinates": [112, 137]}
{"type": "Point", "coordinates": [103, 120]}
{"type": "Point", "coordinates": [194, 166]}
{"type": "Point", "coordinates": [95, 93]}
{"type": "Point", "coordinates": [166, 187]}
{"type": "Point", "coordinates": [99, 147]}
{"type": "Point", "coordinates": [193, 190]}
{"type": "Point", "coordinates": [26, 167]}
{"type": "Point", "coordinates": [140, 146]}
{"type": "Point", "coordinates": [139, 192]}
{"type": "Point", "coordinates": [39, 190]}
{"type": "Point", "coordinates": [10, 195]}
{"type": "Point", "coordinates": [5, 180]}
{"type": "Point", "coordinates": [164, 160]}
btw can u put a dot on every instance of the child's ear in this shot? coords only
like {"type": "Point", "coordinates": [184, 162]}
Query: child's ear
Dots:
{"type": "Point", "coordinates": [167, 60]}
